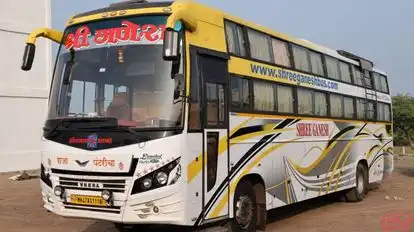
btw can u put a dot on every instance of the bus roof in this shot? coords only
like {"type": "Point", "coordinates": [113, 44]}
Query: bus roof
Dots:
{"type": "Point", "coordinates": [141, 4]}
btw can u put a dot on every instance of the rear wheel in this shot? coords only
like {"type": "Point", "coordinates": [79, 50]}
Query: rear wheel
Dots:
{"type": "Point", "coordinates": [244, 209]}
{"type": "Point", "coordinates": [357, 193]}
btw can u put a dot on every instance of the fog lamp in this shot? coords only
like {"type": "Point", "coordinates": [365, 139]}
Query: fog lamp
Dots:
{"type": "Point", "coordinates": [106, 195]}
{"type": "Point", "coordinates": [58, 191]}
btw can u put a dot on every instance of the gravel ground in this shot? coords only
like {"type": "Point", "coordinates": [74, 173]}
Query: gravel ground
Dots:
{"type": "Point", "coordinates": [21, 209]}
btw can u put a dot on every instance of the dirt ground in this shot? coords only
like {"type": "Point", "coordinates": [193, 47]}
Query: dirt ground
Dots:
{"type": "Point", "coordinates": [21, 209]}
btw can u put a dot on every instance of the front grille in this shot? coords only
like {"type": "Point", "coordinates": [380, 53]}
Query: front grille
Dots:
{"type": "Point", "coordinates": [116, 186]}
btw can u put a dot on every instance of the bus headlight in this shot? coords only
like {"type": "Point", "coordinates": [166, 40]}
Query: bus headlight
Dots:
{"type": "Point", "coordinates": [162, 178]}
{"type": "Point", "coordinates": [157, 179]}
{"type": "Point", "coordinates": [146, 184]}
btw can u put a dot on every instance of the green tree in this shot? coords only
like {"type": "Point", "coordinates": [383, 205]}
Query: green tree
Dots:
{"type": "Point", "coordinates": [403, 113]}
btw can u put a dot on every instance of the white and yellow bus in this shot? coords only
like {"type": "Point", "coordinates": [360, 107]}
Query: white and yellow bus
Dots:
{"type": "Point", "coordinates": [180, 114]}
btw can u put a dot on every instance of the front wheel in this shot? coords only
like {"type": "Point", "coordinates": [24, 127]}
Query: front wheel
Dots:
{"type": "Point", "coordinates": [357, 193]}
{"type": "Point", "coordinates": [244, 209]}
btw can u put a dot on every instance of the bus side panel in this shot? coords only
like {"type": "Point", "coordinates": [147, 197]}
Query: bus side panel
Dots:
{"type": "Point", "coordinates": [379, 156]}
{"type": "Point", "coordinates": [194, 180]}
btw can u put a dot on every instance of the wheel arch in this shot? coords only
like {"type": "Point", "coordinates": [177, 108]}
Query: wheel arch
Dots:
{"type": "Point", "coordinates": [259, 188]}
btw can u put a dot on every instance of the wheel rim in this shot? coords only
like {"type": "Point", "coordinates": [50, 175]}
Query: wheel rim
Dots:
{"type": "Point", "coordinates": [360, 183]}
{"type": "Point", "coordinates": [244, 212]}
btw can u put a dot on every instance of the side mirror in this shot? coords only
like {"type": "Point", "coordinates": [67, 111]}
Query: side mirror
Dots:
{"type": "Point", "coordinates": [28, 57]}
{"type": "Point", "coordinates": [171, 47]}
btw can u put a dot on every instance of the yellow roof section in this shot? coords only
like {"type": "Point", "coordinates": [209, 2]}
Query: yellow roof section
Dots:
{"type": "Point", "coordinates": [213, 16]}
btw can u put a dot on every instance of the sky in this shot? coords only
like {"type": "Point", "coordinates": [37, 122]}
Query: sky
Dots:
{"type": "Point", "coordinates": [379, 30]}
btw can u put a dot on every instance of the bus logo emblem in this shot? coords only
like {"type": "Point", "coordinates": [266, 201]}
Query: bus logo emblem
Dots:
{"type": "Point", "coordinates": [92, 141]}
{"type": "Point", "coordinates": [90, 185]}
{"type": "Point", "coordinates": [82, 164]}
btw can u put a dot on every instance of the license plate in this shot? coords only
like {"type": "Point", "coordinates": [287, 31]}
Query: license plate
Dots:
{"type": "Point", "coordinates": [87, 200]}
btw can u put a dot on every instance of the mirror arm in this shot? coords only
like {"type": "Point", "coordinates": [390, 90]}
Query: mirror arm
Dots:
{"type": "Point", "coordinates": [182, 11]}
{"type": "Point", "coordinates": [30, 50]}
{"type": "Point", "coordinates": [48, 33]}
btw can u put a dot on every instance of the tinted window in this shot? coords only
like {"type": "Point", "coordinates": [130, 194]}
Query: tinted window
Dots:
{"type": "Point", "coordinates": [240, 97]}
{"type": "Point", "coordinates": [332, 66]}
{"type": "Point", "coordinates": [281, 52]}
{"type": "Point", "coordinates": [264, 98]}
{"type": "Point", "coordinates": [357, 76]}
{"type": "Point", "coordinates": [259, 45]}
{"type": "Point", "coordinates": [361, 109]}
{"type": "Point", "coordinates": [300, 56]}
{"type": "Point", "coordinates": [285, 99]}
{"type": "Point", "coordinates": [384, 84]}
{"type": "Point", "coordinates": [305, 101]}
{"type": "Point", "coordinates": [321, 105]}
{"type": "Point", "coordinates": [235, 39]}
{"type": "Point", "coordinates": [377, 81]}
{"type": "Point", "coordinates": [349, 107]}
{"type": "Point", "coordinates": [371, 110]}
{"type": "Point", "coordinates": [345, 72]}
{"type": "Point", "coordinates": [316, 62]}
{"type": "Point", "coordinates": [336, 106]}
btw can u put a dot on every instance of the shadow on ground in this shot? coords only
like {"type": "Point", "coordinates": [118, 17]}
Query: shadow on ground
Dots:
{"type": "Point", "coordinates": [273, 216]}
{"type": "Point", "coordinates": [109, 227]}
{"type": "Point", "coordinates": [295, 209]}
{"type": "Point", "coordinates": [407, 171]}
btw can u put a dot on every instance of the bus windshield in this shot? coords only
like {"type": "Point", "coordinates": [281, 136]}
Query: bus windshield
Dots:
{"type": "Point", "coordinates": [117, 71]}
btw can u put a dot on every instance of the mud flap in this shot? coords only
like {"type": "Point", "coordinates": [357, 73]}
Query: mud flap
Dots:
{"type": "Point", "coordinates": [388, 165]}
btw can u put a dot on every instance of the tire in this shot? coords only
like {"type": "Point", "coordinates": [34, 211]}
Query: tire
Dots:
{"type": "Point", "coordinates": [244, 209]}
{"type": "Point", "coordinates": [358, 193]}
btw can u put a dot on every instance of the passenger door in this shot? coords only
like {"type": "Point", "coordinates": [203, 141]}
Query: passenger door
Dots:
{"type": "Point", "coordinates": [214, 87]}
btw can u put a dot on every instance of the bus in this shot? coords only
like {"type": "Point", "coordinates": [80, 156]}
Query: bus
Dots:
{"type": "Point", "coordinates": [177, 113]}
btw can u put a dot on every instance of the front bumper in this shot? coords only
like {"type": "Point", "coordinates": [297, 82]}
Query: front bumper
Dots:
{"type": "Point", "coordinates": [160, 206]}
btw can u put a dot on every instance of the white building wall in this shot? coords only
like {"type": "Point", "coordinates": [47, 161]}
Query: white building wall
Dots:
{"type": "Point", "coordinates": [23, 95]}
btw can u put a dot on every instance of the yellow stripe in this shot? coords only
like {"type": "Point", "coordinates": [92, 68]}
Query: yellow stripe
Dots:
{"type": "Point", "coordinates": [340, 158]}
{"type": "Point", "coordinates": [340, 174]}
{"type": "Point", "coordinates": [223, 201]}
{"type": "Point", "coordinates": [287, 193]}
{"type": "Point", "coordinates": [306, 170]}
{"type": "Point", "coordinates": [307, 153]}
{"type": "Point", "coordinates": [255, 134]}
{"type": "Point", "coordinates": [195, 167]}
{"type": "Point", "coordinates": [273, 187]}
{"type": "Point", "coordinates": [327, 174]}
